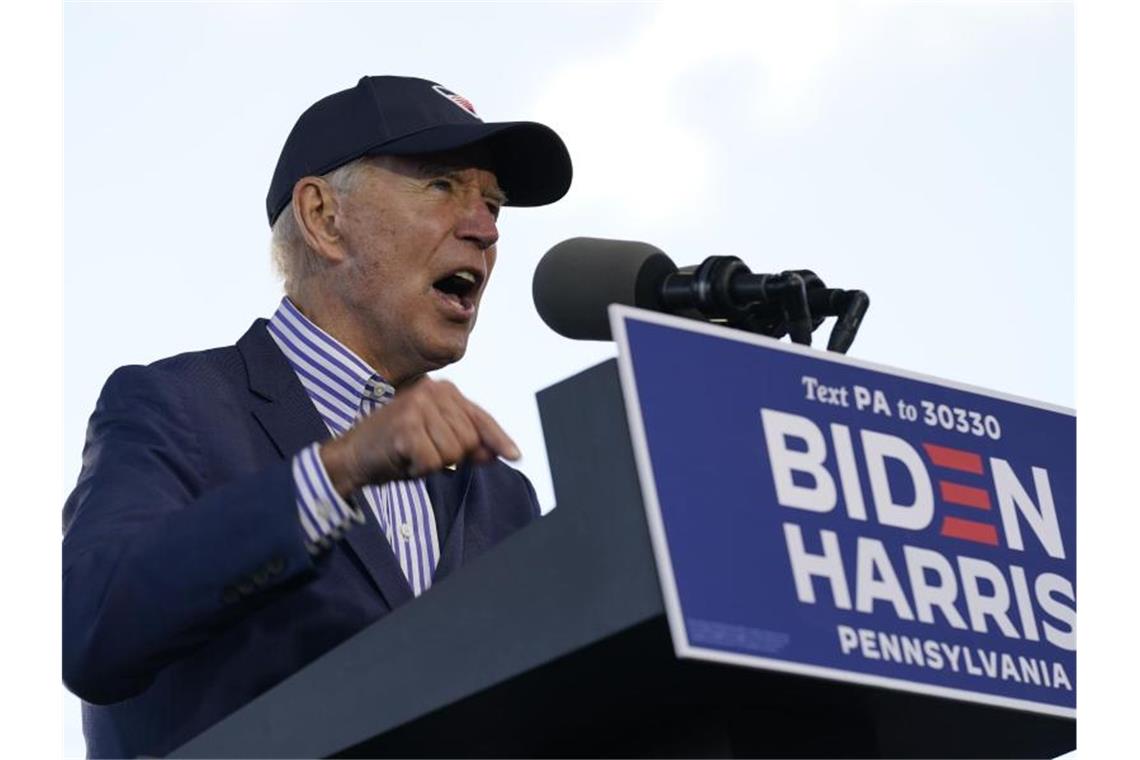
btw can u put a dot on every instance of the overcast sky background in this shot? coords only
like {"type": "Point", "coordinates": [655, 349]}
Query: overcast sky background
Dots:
{"type": "Point", "coordinates": [922, 152]}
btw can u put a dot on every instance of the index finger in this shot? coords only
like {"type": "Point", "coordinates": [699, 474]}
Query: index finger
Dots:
{"type": "Point", "coordinates": [492, 435]}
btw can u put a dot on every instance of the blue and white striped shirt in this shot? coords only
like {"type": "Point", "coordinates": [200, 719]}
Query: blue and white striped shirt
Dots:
{"type": "Point", "coordinates": [344, 390]}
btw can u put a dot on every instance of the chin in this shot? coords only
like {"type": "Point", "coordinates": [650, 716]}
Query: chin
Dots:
{"type": "Point", "coordinates": [441, 344]}
{"type": "Point", "coordinates": [445, 355]}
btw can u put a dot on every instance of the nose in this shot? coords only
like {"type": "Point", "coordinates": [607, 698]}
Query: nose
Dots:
{"type": "Point", "coordinates": [478, 223]}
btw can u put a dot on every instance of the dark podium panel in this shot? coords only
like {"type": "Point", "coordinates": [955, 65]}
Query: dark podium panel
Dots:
{"type": "Point", "coordinates": [556, 644]}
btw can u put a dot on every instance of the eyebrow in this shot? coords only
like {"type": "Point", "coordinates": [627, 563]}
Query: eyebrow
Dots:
{"type": "Point", "coordinates": [435, 169]}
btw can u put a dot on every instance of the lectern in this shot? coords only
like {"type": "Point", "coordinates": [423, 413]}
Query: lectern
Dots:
{"type": "Point", "coordinates": [556, 644]}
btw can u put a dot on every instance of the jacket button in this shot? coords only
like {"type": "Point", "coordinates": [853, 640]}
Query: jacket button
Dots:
{"type": "Point", "coordinates": [275, 566]}
{"type": "Point", "coordinates": [230, 595]}
{"type": "Point", "coordinates": [261, 577]}
{"type": "Point", "coordinates": [245, 588]}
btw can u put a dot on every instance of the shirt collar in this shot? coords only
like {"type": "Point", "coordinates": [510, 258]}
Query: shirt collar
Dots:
{"type": "Point", "coordinates": [337, 380]}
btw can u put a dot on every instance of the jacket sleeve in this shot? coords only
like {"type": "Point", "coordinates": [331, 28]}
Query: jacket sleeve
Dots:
{"type": "Point", "coordinates": [154, 562]}
{"type": "Point", "coordinates": [532, 498]}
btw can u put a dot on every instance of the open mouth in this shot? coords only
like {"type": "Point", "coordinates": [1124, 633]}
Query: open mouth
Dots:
{"type": "Point", "coordinates": [459, 288]}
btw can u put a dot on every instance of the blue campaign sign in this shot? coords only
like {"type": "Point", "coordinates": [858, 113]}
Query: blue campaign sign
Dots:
{"type": "Point", "coordinates": [822, 515]}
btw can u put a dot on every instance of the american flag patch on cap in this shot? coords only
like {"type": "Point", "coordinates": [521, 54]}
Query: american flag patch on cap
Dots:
{"type": "Point", "coordinates": [458, 100]}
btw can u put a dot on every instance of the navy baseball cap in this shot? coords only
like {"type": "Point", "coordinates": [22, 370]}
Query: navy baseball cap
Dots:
{"type": "Point", "coordinates": [402, 116]}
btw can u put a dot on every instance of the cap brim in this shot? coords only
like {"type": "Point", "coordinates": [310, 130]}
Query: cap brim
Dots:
{"type": "Point", "coordinates": [529, 159]}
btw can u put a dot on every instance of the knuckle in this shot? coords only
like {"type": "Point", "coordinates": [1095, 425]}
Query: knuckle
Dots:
{"type": "Point", "coordinates": [419, 403]}
{"type": "Point", "coordinates": [469, 437]}
{"type": "Point", "coordinates": [400, 445]}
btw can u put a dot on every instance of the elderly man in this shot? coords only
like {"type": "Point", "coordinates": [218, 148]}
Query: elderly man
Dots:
{"type": "Point", "coordinates": [242, 510]}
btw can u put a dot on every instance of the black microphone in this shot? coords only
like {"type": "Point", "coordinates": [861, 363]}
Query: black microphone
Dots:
{"type": "Point", "coordinates": [578, 278]}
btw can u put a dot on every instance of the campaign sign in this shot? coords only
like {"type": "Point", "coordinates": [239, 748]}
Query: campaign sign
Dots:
{"type": "Point", "coordinates": [826, 516]}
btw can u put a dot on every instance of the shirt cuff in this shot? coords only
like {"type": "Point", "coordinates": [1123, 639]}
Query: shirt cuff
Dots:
{"type": "Point", "coordinates": [324, 514]}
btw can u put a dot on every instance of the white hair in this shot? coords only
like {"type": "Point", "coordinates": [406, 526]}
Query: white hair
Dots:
{"type": "Point", "coordinates": [293, 258]}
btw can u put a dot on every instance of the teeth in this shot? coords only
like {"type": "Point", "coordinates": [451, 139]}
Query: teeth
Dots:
{"type": "Point", "coordinates": [466, 276]}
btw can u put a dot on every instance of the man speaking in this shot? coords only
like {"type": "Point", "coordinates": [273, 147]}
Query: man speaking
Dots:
{"type": "Point", "coordinates": [242, 510]}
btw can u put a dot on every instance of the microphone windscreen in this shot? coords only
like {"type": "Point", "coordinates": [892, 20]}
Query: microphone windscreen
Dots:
{"type": "Point", "coordinates": [578, 278]}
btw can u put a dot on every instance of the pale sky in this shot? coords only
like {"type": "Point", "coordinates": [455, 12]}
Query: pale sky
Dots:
{"type": "Point", "coordinates": [923, 153]}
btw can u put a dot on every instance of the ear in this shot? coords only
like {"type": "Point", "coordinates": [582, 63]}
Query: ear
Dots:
{"type": "Point", "coordinates": [315, 210]}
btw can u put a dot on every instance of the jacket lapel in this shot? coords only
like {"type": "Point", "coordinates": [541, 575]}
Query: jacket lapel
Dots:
{"type": "Point", "coordinates": [291, 422]}
{"type": "Point", "coordinates": [375, 553]}
{"type": "Point", "coordinates": [448, 492]}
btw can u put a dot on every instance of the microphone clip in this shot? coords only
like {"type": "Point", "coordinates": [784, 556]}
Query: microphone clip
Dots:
{"type": "Point", "coordinates": [723, 290]}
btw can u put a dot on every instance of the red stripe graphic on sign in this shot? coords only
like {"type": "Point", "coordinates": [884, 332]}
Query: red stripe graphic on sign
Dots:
{"type": "Point", "coordinates": [969, 530]}
{"type": "Point", "coordinates": [967, 496]}
{"type": "Point", "coordinates": [954, 459]}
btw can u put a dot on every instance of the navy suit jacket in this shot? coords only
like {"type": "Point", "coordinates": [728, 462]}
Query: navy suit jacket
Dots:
{"type": "Point", "coordinates": [187, 587]}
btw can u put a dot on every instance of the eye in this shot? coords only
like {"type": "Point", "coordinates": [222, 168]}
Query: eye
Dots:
{"type": "Point", "coordinates": [441, 183]}
{"type": "Point", "coordinates": [493, 207]}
